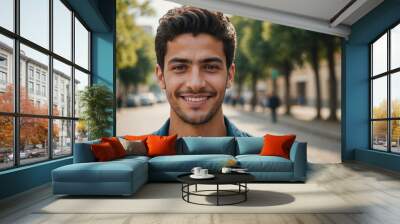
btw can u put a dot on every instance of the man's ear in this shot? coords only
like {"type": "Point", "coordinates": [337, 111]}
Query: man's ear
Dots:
{"type": "Point", "coordinates": [160, 77]}
{"type": "Point", "coordinates": [231, 75]}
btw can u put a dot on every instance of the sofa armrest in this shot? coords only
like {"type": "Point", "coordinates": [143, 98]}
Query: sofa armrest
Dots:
{"type": "Point", "coordinates": [83, 152]}
{"type": "Point", "coordinates": [298, 155]}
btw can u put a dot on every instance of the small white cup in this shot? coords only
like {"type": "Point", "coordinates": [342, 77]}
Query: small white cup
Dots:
{"type": "Point", "coordinates": [226, 170]}
{"type": "Point", "coordinates": [196, 170]}
{"type": "Point", "coordinates": [203, 172]}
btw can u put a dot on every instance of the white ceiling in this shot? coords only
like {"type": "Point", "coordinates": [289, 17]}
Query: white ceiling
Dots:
{"type": "Point", "coordinates": [325, 16]}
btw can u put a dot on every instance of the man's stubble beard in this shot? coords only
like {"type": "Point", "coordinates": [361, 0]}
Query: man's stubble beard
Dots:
{"type": "Point", "coordinates": [216, 107]}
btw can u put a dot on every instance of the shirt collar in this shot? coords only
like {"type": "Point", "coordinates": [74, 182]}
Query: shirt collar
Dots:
{"type": "Point", "coordinates": [231, 129]}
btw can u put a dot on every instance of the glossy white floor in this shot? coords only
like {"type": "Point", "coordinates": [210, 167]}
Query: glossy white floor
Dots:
{"type": "Point", "coordinates": [379, 190]}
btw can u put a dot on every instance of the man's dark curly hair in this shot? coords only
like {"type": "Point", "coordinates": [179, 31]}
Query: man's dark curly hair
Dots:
{"type": "Point", "coordinates": [188, 19]}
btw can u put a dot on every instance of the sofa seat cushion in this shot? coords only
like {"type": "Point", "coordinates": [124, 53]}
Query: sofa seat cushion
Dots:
{"type": "Point", "coordinates": [112, 171]}
{"type": "Point", "coordinates": [257, 163]}
{"type": "Point", "coordinates": [185, 163]}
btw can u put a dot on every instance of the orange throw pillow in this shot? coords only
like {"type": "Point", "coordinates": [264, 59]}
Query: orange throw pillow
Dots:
{"type": "Point", "coordinates": [136, 137]}
{"type": "Point", "coordinates": [277, 145]}
{"type": "Point", "coordinates": [116, 145]}
{"type": "Point", "coordinates": [161, 145]}
{"type": "Point", "coordinates": [103, 152]}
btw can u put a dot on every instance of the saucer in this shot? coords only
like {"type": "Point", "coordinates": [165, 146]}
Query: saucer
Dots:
{"type": "Point", "coordinates": [208, 176]}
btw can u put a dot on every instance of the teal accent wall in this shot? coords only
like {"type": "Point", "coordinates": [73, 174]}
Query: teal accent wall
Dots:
{"type": "Point", "coordinates": [103, 64]}
{"type": "Point", "coordinates": [24, 178]}
{"type": "Point", "coordinates": [99, 16]}
{"type": "Point", "coordinates": [355, 76]}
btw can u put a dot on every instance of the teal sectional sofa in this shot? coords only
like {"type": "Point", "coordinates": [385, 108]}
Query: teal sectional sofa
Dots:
{"type": "Point", "coordinates": [125, 176]}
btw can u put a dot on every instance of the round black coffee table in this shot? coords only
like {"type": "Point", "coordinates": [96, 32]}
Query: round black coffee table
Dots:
{"type": "Point", "coordinates": [238, 179]}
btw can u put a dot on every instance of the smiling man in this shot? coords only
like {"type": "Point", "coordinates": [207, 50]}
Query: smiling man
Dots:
{"type": "Point", "coordinates": [195, 51]}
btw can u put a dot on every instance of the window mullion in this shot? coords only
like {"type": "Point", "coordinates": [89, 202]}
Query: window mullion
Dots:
{"type": "Point", "coordinates": [50, 81]}
{"type": "Point", "coordinates": [73, 82]}
{"type": "Point", "coordinates": [16, 84]}
{"type": "Point", "coordinates": [389, 149]}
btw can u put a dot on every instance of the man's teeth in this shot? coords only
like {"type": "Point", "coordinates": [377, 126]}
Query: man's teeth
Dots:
{"type": "Point", "coordinates": [195, 99]}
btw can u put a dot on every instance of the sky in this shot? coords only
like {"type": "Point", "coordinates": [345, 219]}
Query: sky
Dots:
{"type": "Point", "coordinates": [35, 27]}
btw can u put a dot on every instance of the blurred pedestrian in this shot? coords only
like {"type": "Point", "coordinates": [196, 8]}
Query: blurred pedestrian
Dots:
{"type": "Point", "coordinates": [273, 103]}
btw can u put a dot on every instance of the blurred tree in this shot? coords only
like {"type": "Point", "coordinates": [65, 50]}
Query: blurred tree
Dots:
{"type": "Point", "coordinates": [242, 63]}
{"type": "Point", "coordinates": [131, 38]}
{"type": "Point", "coordinates": [313, 48]}
{"type": "Point", "coordinates": [332, 46]}
{"type": "Point", "coordinates": [128, 39]}
{"type": "Point", "coordinates": [139, 73]}
{"type": "Point", "coordinates": [287, 52]}
{"type": "Point", "coordinates": [255, 47]}
{"type": "Point", "coordinates": [380, 128]}
{"type": "Point", "coordinates": [33, 130]}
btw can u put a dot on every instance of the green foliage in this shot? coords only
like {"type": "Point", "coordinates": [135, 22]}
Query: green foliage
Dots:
{"type": "Point", "coordinates": [135, 47]}
{"type": "Point", "coordinates": [139, 73]}
{"type": "Point", "coordinates": [286, 48]}
{"type": "Point", "coordinates": [97, 104]}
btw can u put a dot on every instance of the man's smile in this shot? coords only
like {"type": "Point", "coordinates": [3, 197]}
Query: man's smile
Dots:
{"type": "Point", "coordinates": [196, 100]}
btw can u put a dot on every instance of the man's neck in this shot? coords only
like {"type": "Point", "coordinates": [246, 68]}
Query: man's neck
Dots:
{"type": "Point", "coordinates": [214, 127]}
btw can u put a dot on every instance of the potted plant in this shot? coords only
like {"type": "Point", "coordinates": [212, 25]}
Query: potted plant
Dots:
{"type": "Point", "coordinates": [96, 102]}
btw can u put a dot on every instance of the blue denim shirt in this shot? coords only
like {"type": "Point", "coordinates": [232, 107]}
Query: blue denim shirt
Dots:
{"type": "Point", "coordinates": [231, 129]}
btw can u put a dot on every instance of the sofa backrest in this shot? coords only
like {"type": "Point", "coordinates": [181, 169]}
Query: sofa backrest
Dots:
{"type": "Point", "coordinates": [83, 152]}
{"type": "Point", "coordinates": [206, 145]}
{"type": "Point", "coordinates": [249, 145]}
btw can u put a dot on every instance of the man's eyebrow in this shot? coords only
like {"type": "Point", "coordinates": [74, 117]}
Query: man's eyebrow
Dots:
{"type": "Point", "coordinates": [187, 61]}
{"type": "Point", "coordinates": [179, 60]}
{"type": "Point", "coordinates": [212, 59]}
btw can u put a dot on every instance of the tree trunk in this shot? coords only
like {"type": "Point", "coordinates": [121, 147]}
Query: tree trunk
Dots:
{"type": "Point", "coordinates": [254, 80]}
{"type": "Point", "coordinates": [286, 71]}
{"type": "Point", "coordinates": [315, 66]}
{"type": "Point", "coordinates": [274, 86]}
{"type": "Point", "coordinates": [332, 80]}
{"type": "Point", "coordinates": [239, 93]}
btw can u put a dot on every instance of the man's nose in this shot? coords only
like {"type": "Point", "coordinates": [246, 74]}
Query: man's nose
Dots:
{"type": "Point", "coordinates": [196, 80]}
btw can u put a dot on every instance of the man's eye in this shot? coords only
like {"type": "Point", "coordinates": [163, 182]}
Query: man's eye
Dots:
{"type": "Point", "coordinates": [179, 68]}
{"type": "Point", "coordinates": [211, 68]}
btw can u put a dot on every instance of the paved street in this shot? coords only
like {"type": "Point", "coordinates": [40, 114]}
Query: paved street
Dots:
{"type": "Point", "coordinates": [323, 145]}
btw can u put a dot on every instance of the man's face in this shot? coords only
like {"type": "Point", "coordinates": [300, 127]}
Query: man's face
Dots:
{"type": "Point", "coordinates": [195, 77]}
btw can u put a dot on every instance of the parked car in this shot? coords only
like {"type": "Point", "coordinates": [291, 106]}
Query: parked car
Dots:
{"type": "Point", "coordinates": [133, 100]}
{"type": "Point", "coordinates": [160, 97]}
{"type": "Point", "coordinates": [147, 99]}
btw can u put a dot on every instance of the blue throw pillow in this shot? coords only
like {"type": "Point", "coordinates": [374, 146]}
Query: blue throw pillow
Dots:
{"type": "Point", "coordinates": [249, 145]}
{"type": "Point", "coordinates": [206, 145]}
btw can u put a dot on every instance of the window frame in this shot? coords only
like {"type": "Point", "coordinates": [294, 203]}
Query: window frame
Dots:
{"type": "Point", "coordinates": [16, 115]}
{"type": "Point", "coordinates": [388, 74]}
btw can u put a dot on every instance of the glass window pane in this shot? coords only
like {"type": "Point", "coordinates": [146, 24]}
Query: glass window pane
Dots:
{"type": "Point", "coordinates": [35, 21]}
{"type": "Point", "coordinates": [379, 55]}
{"type": "Point", "coordinates": [6, 142]}
{"type": "Point", "coordinates": [62, 29]}
{"type": "Point", "coordinates": [81, 81]}
{"type": "Point", "coordinates": [7, 14]}
{"type": "Point", "coordinates": [6, 74]}
{"type": "Point", "coordinates": [379, 98]}
{"type": "Point", "coordinates": [62, 89]}
{"type": "Point", "coordinates": [62, 138]}
{"type": "Point", "coordinates": [81, 131]}
{"type": "Point", "coordinates": [34, 97]}
{"type": "Point", "coordinates": [395, 138]}
{"type": "Point", "coordinates": [395, 94]}
{"type": "Point", "coordinates": [379, 135]}
{"type": "Point", "coordinates": [81, 45]}
{"type": "Point", "coordinates": [395, 47]}
{"type": "Point", "coordinates": [33, 140]}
